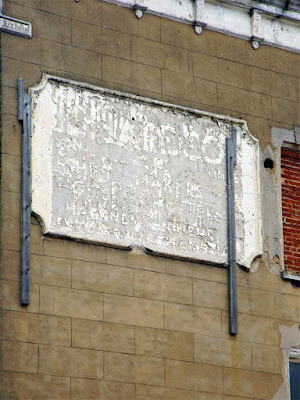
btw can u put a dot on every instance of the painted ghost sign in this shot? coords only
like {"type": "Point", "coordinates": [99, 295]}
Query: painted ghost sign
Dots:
{"type": "Point", "coordinates": [123, 171]}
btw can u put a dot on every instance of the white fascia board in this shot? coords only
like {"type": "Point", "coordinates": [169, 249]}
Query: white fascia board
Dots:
{"type": "Point", "coordinates": [281, 33]}
{"type": "Point", "coordinates": [226, 19]}
{"type": "Point", "coordinates": [177, 10]}
{"type": "Point", "coordinates": [266, 8]}
{"type": "Point", "coordinates": [278, 28]}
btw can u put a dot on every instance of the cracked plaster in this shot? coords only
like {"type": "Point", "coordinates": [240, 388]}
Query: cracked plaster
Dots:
{"type": "Point", "coordinates": [124, 171]}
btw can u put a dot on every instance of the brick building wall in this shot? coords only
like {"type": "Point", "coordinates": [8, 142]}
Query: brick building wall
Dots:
{"type": "Point", "coordinates": [110, 324]}
{"type": "Point", "coordinates": [290, 175]}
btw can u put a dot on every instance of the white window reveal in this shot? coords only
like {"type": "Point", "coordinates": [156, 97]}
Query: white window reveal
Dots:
{"type": "Point", "coordinates": [124, 171]}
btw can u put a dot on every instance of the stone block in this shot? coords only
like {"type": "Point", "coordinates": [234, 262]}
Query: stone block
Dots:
{"type": "Point", "coordinates": [167, 99]}
{"type": "Point", "coordinates": [34, 220]}
{"type": "Point", "coordinates": [36, 328]}
{"type": "Point", "coordinates": [20, 357]}
{"type": "Point", "coordinates": [11, 205]}
{"type": "Point", "coordinates": [9, 101]}
{"type": "Point", "coordinates": [239, 382]}
{"type": "Point", "coordinates": [180, 268]}
{"type": "Point", "coordinates": [164, 344]}
{"type": "Point", "coordinates": [52, 55]}
{"type": "Point", "coordinates": [50, 270]}
{"type": "Point", "coordinates": [72, 76]}
{"type": "Point", "coordinates": [117, 70]}
{"type": "Point", "coordinates": [284, 111]}
{"type": "Point", "coordinates": [117, 257]}
{"type": "Point", "coordinates": [210, 294]}
{"type": "Point", "coordinates": [88, 11]}
{"type": "Point", "coordinates": [144, 392]}
{"type": "Point", "coordinates": [54, 330]}
{"type": "Point", "coordinates": [160, 55]}
{"type": "Point", "coordinates": [28, 3]}
{"type": "Point", "coordinates": [146, 77]}
{"type": "Point", "coordinates": [270, 83]}
{"type": "Point", "coordinates": [178, 34]}
{"type": "Point", "coordinates": [103, 41]}
{"type": "Point", "coordinates": [244, 101]}
{"type": "Point", "coordinates": [71, 303]}
{"type": "Point", "coordinates": [258, 80]}
{"type": "Point", "coordinates": [102, 336]}
{"type": "Point", "coordinates": [136, 260]}
{"type": "Point", "coordinates": [191, 319]}
{"type": "Point", "coordinates": [209, 396]}
{"type": "Point", "coordinates": [13, 69]}
{"type": "Point", "coordinates": [34, 386]}
{"type": "Point", "coordinates": [145, 261]}
{"type": "Point", "coordinates": [133, 311]}
{"type": "Point", "coordinates": [194, 376]}
{"type": "Point", "coordinates": [235, 398]}
{"type": "Point", "coordinates": [253, 329]}
{"type": "Point", "coordinates": [83, 389]}
{"type": "Point", "coordinates": [219, 351]}
{"type": "Point", "coordinates": [210, 273]}
{"type": "Point", "coordinates": [11, 173]}
{"type": "Point", "coordinates": [102, 278]}
{"type": "Point", "coordinates": [82, 62]}
{"type": "Point", "coordinates": [57, 7]}
{"type": "Point", "coordinates": [11, 135]}
{"type": "Point", "coordinates": [243, 277]}
{"type": "Point", "coordinates": [189, 88]}
{"type": "Point", "coordinates": [134, 369]}
{"type": "Point", "coordinates": [36, 240]}
{"type": "Point", "coordinates": [10, 265]}
{"type": "Point", "coordinates": [267, 359]}
{"type": "Point", "coordinates": [275, 305]}
{"type": "Point", "coordinates": [66, 361]}
{"type": "Point", "coordinates": [215, 295]}
{"type": "Point", "coordinates": [147, 27]}
{"type": "Point", "coordinates": [240, 50]}
{"type": "Point", "coordinates": [24, 50]}
{"type": "Point", "coordinates": [260, 128]}
{"type": "Point", "coordinates": [286, 286]}
{"type": "Point", "coordinates": [217, 70]}
{"type": "Point", "coordinates": [74, 250]}
{"type": "Point", "coordinates": [285, 62]}
{"type": "Point", "coordinates": [163, 287]}
{"type": "Point", "coordinates": [10, 297]}
{"type": "Point", "coordinates": [52, 27]}
{"type": "Point", "coordinates": [10, 230]}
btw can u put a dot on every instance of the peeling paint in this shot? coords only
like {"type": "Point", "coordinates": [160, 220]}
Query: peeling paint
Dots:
{"type": "Point", "coordinates": [112, 169]}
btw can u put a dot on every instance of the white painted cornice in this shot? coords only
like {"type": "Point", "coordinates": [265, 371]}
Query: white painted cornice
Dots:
{"type": "Point", "coordinates": [256, 21]}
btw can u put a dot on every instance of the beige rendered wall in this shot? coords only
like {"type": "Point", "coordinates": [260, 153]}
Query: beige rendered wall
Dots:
{"type": "Point", "coordinates": [110, 324]}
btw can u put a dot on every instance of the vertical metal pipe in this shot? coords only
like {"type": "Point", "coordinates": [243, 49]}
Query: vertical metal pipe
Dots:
{"type": "Point", "coordinates": [232, 282]}
{"type": "Point", "coordinates": [24, 118]}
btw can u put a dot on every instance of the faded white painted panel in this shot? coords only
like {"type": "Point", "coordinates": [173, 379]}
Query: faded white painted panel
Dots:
{"type": "Point", "coordinates": [124, 171]}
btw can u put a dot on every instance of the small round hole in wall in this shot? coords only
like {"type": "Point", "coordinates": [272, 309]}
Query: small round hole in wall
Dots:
{"type": "Point", "coordinates": [268, 163]}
